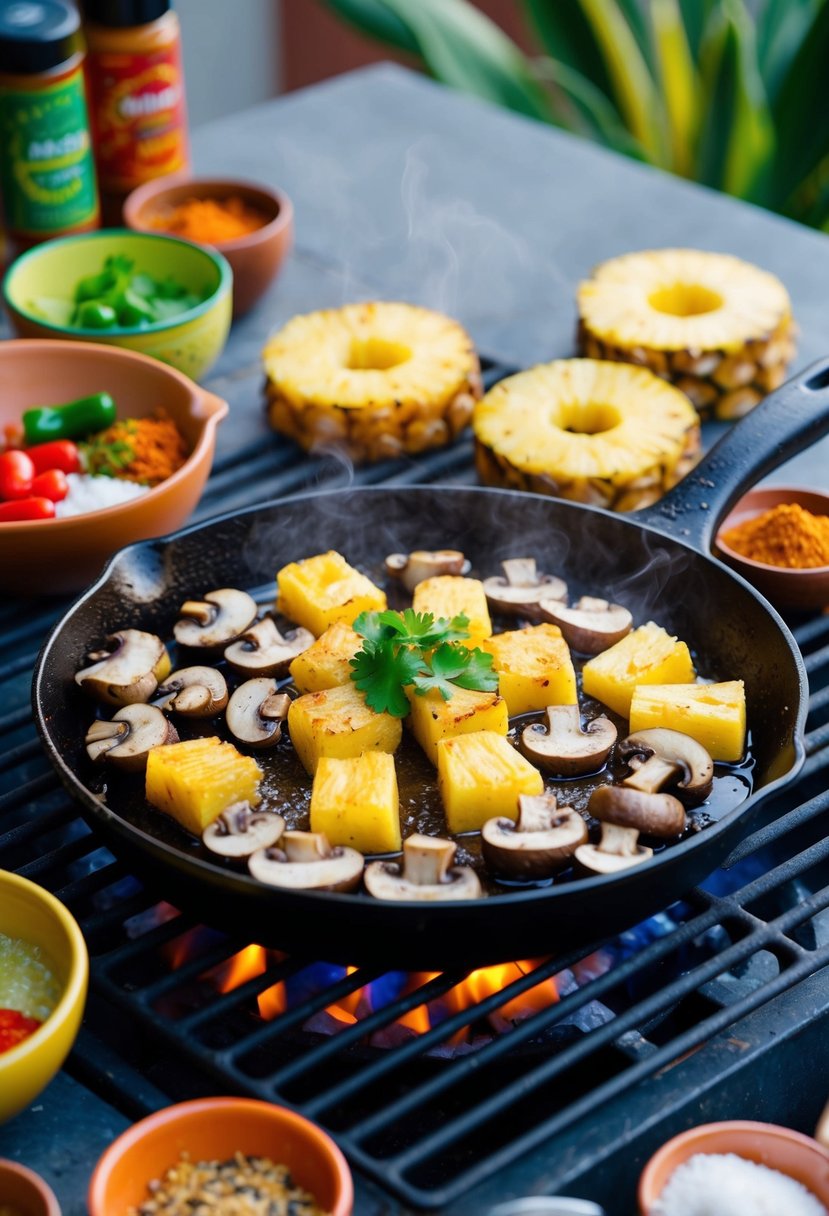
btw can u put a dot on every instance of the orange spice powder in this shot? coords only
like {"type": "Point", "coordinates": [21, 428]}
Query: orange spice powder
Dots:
{"type": "Point", "coordinates": [144, 450]}
{"type": "Point", "coordinates": [786, 535]}
{"type": "Point", "coordinates": [211, 220]}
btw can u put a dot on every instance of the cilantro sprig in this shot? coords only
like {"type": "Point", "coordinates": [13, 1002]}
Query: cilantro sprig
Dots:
{"type": "Point", "coordinates": [415, 648]}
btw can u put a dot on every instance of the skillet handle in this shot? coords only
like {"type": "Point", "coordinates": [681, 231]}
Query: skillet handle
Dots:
{"type": "Point", "coordinates": [790, 419]}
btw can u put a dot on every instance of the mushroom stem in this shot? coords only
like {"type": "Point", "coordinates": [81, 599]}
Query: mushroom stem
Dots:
{"type": "Point", "coordinates": [650, 775]}
{"type": "Point", "coordinates": [538, 812]}
{"type": "Point", "coordinates": [199, 611]}
{"type": "Point", "coordinates": [520, 571]}
{"type": "Point", "coordinates": [275, 707]}
{"type": "Point", "coordinates": [621, 842]}
{"type": "Point", "coordinates": [427, 860]}
{"type": "Point", "coordinates": [305, 847]}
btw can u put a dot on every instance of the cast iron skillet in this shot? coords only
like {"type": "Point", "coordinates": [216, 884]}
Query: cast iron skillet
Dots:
{"type": "Point", "coordinates": [657, 563]}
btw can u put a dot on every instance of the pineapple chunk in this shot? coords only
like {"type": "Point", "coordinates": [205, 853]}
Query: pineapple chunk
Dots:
{"type": "Point", "coordinates": [448, 595]}
{"type": "Point", "coordinates": [713, 714]}
{"type": "Point", "coordinates": [325, 664]}
{"type": "Point", "coordinates": [355, 802]}
{"type": "Point", "coordinates": [649, 655]}
{"type": "Point", "coordinates": [337, 722]}
{"type": "Point", "coordinates": [320, 590]}
{"type": "Point", "coordinates": [534, 668]}
{"type": "Point", "coordinates": [194, 781]}
{"type": "Point", "coordinates": [480, 776]}
{"type": "Point", "coordinates": [433, 719]}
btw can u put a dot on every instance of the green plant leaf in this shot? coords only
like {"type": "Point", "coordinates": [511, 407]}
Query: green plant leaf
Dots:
{"type": "Point", "coordinates": [782, 25]}
{"type": "Point", "coordinates": [376, 19]}
{"type": "Point", "coordinates": [678, 77]}
{"type": "Point", "coordinates": [696, 15]}
{"type": "Point", "coordinates": [380, 670]}
{"type": "Point", "coordinates": [591, 113]}
{"type": "Point", "coordinates": [801, 113]}
{"type": "Point", "coordinates": [455, 666]}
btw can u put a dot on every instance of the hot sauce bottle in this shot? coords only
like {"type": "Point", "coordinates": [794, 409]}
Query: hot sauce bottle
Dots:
{"type": "Point", "coordinates": [136, 91]}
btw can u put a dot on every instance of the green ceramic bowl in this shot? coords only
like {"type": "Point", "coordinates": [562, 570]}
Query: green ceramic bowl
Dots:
{"type": "Point", "coordinates": [191, 342]}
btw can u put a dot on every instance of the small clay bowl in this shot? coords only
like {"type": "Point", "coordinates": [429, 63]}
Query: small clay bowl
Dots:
{"type": "Point", "coordinates": [804, 589]}
{"type": "Point", "coordinates": [25, 1192]}
{"type": "Point", "coordinates": [255, 258]}
{"type": "Point", "coordinates": [213, 1129]}
{"type": "Point", "coordinates": [779, 1148]}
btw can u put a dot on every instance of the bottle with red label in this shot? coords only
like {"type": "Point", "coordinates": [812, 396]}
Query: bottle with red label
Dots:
{"type": "Point", "coordinates": [136, 92]}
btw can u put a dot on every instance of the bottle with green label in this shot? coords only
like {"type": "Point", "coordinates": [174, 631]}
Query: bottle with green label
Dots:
{"type": "Point", "coordinates": [47, 172]}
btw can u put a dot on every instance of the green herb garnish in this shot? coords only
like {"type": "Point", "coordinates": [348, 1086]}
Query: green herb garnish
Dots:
{"type": "Point", "coordinates": [414, 648]}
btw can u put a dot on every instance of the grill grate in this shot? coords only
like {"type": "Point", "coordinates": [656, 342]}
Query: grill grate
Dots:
{"type": "Point", "coordinates": [426, 1128]}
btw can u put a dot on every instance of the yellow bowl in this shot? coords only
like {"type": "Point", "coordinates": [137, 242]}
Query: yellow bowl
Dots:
{"type": "Point", "coordinates": [30, 913]}
{"type": "Point", "coordinates": [191, 342]}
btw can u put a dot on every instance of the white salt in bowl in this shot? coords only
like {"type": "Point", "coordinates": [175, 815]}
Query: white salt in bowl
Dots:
{"type": "Point", "coordinates": [778, 1148]}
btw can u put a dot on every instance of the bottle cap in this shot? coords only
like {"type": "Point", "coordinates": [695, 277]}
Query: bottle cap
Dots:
{"type": "Point", "coordinates": [121, 14]}
{"type": "Point", "coordinates": [38, 35]}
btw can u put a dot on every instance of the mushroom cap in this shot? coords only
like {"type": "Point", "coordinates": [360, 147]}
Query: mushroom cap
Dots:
{"type": "Point", "coordinates": [193, 692]}
{"type": "Point", "coordinates": [563, 747]}
{"type": "Point", "coordinates": [263, 651]}
{"type": "Point", "coordinates": [591, 625]}
{"type": "Point", "coordinates": [520, 590]}
{"type": "Point", "coordinates": [307, 862]}
{"type": "Point", "coordinates": [413, 568]}
{"type": "Point", "coordinates": [256, 711]}
{"type": "Point", "coordinates": [240, 831]}
{"type": "Point", "coordinates": [541, 842]}
{"type": "Point", "coordinates": [653, 814]}
{"type": "Point", "coordinates": [217, 619]}
{"type": "Point", "coordinates": [426, 875]}
{"type": "Point", "coordinates": [691, 762]}
{"type": "Point", "coordinates": [129, 672]}
{"type": "Point", "coordinates": [591, 858]}
{"type": "Point", "coordinates": [128, 738]}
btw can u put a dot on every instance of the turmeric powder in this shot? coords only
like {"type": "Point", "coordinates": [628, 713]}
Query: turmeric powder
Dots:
{"type": "Point", "coordinates": [211, 220]}
{"type": "Point", "coordinates": [786, 535]}
{"type": "Point", "coordinates": [144, 450]}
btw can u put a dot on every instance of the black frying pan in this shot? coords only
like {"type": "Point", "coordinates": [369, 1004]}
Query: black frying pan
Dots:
{"type": "Point", "coordinates": [657, 563]}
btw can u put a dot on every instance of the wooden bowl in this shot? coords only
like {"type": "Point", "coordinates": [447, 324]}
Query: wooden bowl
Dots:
{"type": "Point", "coordinates": [213, 1129]}
{"type": "Point", "coordinates": [256, 258]}
{"type": "Point", "coordinates": [55, 556]}
{"type": "Point", "coordinates": [803, 589]}
{"type": "Point", "coordinates": [779, 1148]}
{"type": "Point", "coordinates": [25, 1192]}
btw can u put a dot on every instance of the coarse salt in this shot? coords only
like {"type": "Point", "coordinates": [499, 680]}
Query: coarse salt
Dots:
{"type": "Point", "coordinates": [92, 493]}
{"type": "Point", "coordinates": [723, 1184]}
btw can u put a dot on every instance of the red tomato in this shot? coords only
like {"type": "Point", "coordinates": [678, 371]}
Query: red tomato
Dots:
{"type": "Point", "coordinates": [51, 484]}
{"type": "Point", "coordinates": [26, 508]}
{"type": "Point", "coordinates": [15, 1027]}
{"type": "Point", "coordinates": [59, 454]}
{"type": "Point", "coordinates": [16, 475]}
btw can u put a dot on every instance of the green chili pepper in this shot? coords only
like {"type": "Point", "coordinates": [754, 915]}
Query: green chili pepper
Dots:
{"type": "Point", "coordinates": [70, 421]}
{"type": "Point", "coordinates": [93, 314]}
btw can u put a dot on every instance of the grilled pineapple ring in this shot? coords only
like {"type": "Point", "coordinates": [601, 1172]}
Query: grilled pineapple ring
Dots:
{"type": "Point", "coordinates": [374, 379]}
{"type": "Point", "coordinates": [718, 328]}
{"type": "Point", "coordinates": [602, 433]}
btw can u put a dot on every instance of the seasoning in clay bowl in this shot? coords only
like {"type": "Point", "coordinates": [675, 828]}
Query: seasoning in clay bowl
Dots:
{"type": "Point", "coordinates": [723, 1184]}
{"type": "Point", "coordinates": [210, 220]}
{"type": "Point", "coordinates": [241, 1186]}
{"type": "Point", "coordinates": [786, 535]}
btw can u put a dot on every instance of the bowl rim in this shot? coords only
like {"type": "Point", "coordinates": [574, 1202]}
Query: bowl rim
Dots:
{"type": "Point", "coordinates": [153, 192]}
{"type": "Point", "coordinates": [213, 255]}
{"type": "Point", "coordinates": [38, 1184]}
{"type": "Point", "coordinates": [214, 410]}
{"type": "Point", "coordinates": [792, 492]}
{"type": "Point", "coordinates": [74, 990]}
{"type": "Point", "coordinates": [174, 1115]}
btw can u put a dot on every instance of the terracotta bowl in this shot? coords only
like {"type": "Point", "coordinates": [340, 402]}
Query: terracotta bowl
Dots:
{"type": "Point", "coordinates": [30, 913]}
{"type": "Point", "coordinates": [214, 1129]}
{"type": "Point", "coordinates": [54, 556]}
{"type": "Point", "coordinates": [25, 1192]}
{"type": "Point", "coordinates": [256, 258]}
{"type": "Point", "coordinates": [803, 589]}
{"type": "Point", "coordinates": [779, 1148]}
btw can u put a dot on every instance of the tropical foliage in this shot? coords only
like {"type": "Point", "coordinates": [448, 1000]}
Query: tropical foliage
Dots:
{"type": "Point", "coordinates": [727, 92]}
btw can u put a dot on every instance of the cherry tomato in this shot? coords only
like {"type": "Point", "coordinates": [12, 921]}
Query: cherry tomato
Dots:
{"type": "Point", "coordinates": [15, 1027]}
{"type": "Point", "coordinates": [26, 508]}
{"type": "Point", "coordinates": [16, 475]}
{"type": "Point", "coordinates": [59, 454]}
{"type": "Point", "coordinates": [51, 484]}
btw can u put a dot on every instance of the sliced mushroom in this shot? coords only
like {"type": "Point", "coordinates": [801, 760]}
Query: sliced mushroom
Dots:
{"type": "Point", "coordinates": [521, 589]}
{"type": "Point", "coordinates": [216, 620]}
{"type": "Point", "coordinates": [127, 673]}
{"type": "Point", "coordinates": [661, 757]}
{"type": "Point", "coordinates": [305, 861]}
{"type": "Point", "coordinates": [413, 568]}
{"type": "Point", "coordinates": [193, 692]}
{"type": "Point", "coordinates": [563, 748]}
{"type": "Point", "coordinates": [127, 740]}
{"type": "Point", "coordinates": [256, 712]}
{"type": "Point", "coordinates": [240, 830]}
{"type": "Point", "coordinates": [541, 841]}
{"type": "Point", "coordinates": [263, 651]}
{"type": "Point", "coordinates": [426, 874]}
{"type": "Point", "coordinates": [625, 813]}
{"type": "Point", "coordinates": [591, 625]}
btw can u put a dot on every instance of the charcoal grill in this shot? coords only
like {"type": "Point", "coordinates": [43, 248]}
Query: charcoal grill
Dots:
{"type": "Point", "coordinates": [715, 1008]}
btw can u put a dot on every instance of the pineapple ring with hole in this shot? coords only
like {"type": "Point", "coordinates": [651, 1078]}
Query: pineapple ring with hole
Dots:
{"type": "Point", "coordinates": [375, 379]}
{"type": "Point", "coordinates": [602, 433]}
{"type": "Point", "coordinates": [717, 327]}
